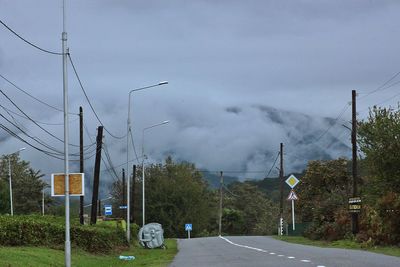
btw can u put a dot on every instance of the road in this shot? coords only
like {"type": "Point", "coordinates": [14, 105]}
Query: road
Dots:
{"type": "Point", "coordinates": [253, 251]}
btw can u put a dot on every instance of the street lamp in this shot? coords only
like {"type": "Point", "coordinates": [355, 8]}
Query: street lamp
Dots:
{"type": "Point", "coordinates": [9, 175]}
{"type": "Point", "coordinates": [143, 191]}
{"type": "Point", "coordinates": [128, 131]}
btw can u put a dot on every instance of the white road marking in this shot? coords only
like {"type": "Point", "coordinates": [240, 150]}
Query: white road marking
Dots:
{"type": "Point", "coordinates": [262, 250]}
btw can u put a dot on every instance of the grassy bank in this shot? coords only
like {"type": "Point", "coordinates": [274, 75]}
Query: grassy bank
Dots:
{"type": "Point", "coordinates": [346, 244]}
{"type": "Point", "coordinates": [36, 257]}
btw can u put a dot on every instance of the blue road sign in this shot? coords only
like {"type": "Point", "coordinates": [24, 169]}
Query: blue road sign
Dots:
{"type": "Point", "coordinates": [188, 227]}
{"type": "Point", "coordinates": [108, 209]}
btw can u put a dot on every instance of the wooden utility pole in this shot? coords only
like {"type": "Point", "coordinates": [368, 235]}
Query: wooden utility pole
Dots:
{"type": "Point", "coordinates": [123, 188]}
{"type": "Point", "coordinates": [81, 198]}
{"type": "Point", "coordinates": [221, 182]}
{"type": "Point", "coordinates": [132, 199]}
{"type": "Point", "coordinates": [281, 191]}
{"type": "Point", "coordinates": [354, 215]}
{"type": "Point", "coordinates": [96, 178]}
{"type": "Point", "coordinates": [99, 208]}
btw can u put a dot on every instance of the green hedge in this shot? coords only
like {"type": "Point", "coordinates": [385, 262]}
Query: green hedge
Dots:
{"type": "Point", "coordinates": [50, 231]}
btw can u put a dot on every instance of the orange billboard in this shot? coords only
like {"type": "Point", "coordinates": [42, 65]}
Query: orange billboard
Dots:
{"type": "Point", "coordinates": [76, 184]}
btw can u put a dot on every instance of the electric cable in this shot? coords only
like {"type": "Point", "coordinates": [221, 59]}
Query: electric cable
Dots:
{"type": "Point", "coordinates": [26, 41]}
{"type": "Point", "coordinates": [34, 121]}
{"type": "Point", "coordinates": [273, 165]}
{"type": "Point", "coordinates": [33, 97]}
{"type": "Point", "coordinates": [87, 98]}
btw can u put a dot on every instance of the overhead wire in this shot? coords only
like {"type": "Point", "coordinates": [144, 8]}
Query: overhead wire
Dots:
{"type": "Point", "coordinates": [382, 87]}
{"type": "Point", "coordinates": [26, 41]}
{"type": "Point", "coordinates": [40, 122]}
{"type": "Point", "coordinates": [134, 148]}
{"type": "Point", "coordinates": [88, 100]}
{"type": "Point", "coordinates": [33, 97]}
{"type": "Point", "coordinates": [49, 133]}
{"type": "Point", "coordinates": [273, 165]}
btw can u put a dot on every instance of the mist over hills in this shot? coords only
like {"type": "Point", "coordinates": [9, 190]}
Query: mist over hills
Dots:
{"type": "Point", "coordinates": [245, 139]}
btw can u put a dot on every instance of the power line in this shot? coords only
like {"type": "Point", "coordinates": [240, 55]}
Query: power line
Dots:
{"type": "Point", "coordinates": [28, 94]}
{"type": "Point", "coordinates": [273, 165]}
{"type": "Point", "coordinates": [87, 98]}
{"type": "Point", "coordinates": [133, 145]}
{"type": "Point", "coordinates": [51, 154]}
{"type": "Point", "coordinates": [40, 122]}
{"type": "Point", "coordinates": [382, 87]}
{"type": "Point", "coordinates": [335, 121]}
{"type": "Point", "coordinates": [9, 99]}
{"type": "Point", "coordinates": [26, 41]}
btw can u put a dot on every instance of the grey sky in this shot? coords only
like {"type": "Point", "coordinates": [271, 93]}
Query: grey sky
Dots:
{"type": "Point", "coordinates": [300, 59]}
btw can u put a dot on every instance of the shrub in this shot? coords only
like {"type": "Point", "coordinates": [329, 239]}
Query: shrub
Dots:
{"type": "Point", "coordinates": [49, 231]}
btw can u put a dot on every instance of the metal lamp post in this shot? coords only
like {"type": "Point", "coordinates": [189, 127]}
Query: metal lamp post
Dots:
{"type": "Point", "coordinates": [128, 230]}
{"type": "Point", "coordinates": [9, 175]}
{"type": "Point", "coordinates": [143, 187]}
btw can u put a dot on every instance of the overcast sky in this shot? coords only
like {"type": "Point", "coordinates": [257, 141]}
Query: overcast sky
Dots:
{"type": "Point", "coordinates": [227, 62]}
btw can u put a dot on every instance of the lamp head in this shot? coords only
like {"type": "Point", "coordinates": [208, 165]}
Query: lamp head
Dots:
{"type": "Point", "coordinates": [163, 82]}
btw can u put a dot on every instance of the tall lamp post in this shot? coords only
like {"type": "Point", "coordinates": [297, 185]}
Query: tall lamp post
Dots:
{"type": "Point", "coordinates": [128, 131]}
{"type": "Point", "coordinates": [9, 176]}
{"type": "Point", "coordinates": [143, 156]}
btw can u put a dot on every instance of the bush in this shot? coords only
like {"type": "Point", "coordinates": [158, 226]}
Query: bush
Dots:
{"type": "Point", "coordinates": [50, 231]}
{"type": "Point", "coordinates": [134, 231]}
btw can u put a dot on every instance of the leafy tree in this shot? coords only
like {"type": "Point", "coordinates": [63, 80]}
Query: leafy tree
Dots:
{"type": "Point", "coordinates": [176, 194]}
{"type": "Point", "coordinates": [324, 191]}
{"type": "Point", "coordinates": [379, 140]}
{"type": "Point", "coordinates": [26, 184]}
{"type": "Point", "coordinates": [248, 211]}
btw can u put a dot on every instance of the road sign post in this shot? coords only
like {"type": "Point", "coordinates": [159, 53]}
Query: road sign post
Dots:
{"type": "Point", "coordinates": [188, 228]}
{"type": "Point", "coordinates": [292, 181]}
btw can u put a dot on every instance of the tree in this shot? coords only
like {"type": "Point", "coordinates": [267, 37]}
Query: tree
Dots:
{"type": "Point", "coordinates": [379, 140]}
{"type": "Point", "coordinates": [248, 211]}
{"type": "Point", "coordinates": [176, 194]}
{"type": "Point", "coordinates": [324, 191]}
{"type": "Point", "coordinates": [26, 184]}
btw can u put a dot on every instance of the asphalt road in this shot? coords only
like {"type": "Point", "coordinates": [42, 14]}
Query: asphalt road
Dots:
{"type": "Point", "coordinates": [253, 251]}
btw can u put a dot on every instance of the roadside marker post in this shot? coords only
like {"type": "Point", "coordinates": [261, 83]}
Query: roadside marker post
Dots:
{"type": "Point", "coordinates": [188, 228]}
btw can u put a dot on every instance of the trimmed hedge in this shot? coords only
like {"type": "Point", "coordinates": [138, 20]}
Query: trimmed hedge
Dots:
{"type": "Point", "coordinates": [49, 231]}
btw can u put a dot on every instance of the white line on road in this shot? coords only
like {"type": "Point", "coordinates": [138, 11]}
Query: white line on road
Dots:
{"type": "Point", "coordinates": [262, 250]}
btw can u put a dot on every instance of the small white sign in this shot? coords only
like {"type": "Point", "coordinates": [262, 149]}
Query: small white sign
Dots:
{"type": "Point", "coordinates": [292, 181]}
{"type": "Point", "coordinates": [292, 196]}
{"type": "Point", "coordinates": [108, 209]}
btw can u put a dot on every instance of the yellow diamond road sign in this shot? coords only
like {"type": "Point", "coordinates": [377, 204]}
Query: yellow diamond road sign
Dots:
{"type": "Point", "coordinates": [292, 181]}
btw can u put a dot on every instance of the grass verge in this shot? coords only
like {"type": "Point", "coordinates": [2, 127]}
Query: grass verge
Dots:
{"type": "Point", "coordinates": [346, 244]}
{"type": "Point", "coordinates": [37, 257]}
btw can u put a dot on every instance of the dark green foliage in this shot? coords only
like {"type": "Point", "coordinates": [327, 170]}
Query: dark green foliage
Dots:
{"type": "Point", "coordinates": [26, 183]}
{"type": "Point", "coordinates": [248, 211]}
{"type": "Point", "coordinates": [323, 193]}
{"type": "Point", "coordinates": [379, 139]}
{"type": "Point", "coordinates": [176, 194]}
{"type": "Point", "coordinates": [49, 231]}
